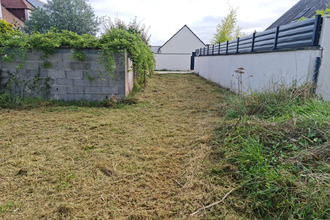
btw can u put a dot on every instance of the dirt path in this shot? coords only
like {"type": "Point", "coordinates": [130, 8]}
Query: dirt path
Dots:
{"type": "Point", "coordinates": [138, 162]}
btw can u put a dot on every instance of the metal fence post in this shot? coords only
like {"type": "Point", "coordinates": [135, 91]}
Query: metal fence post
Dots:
{"type": "Point", "coordinates": [208, 50]}
{"type": "Point", "coordinates": [316, 31]}
{"type": "Point", "coordinates": [213, 49]}
{"type": "Point", "coordinates": [227, 47]}
{"type": "Point", "coordinates": [219, 48]}
{"type": "Point", "coordinates": [276, 37]}
{"type": "Point", "coordinates": [253, 41]}
{"type": "Point", "coordinates": [237, 45]}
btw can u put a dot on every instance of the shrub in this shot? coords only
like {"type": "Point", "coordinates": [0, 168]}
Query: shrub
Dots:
{"type": "Point", "coordinates": [5, 27]}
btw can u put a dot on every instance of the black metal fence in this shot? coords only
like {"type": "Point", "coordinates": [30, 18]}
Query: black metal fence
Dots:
{"type": "Point", "coordinates": [296, 35]}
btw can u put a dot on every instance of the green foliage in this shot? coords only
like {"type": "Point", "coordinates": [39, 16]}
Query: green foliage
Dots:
{"type": "Point", "coordinates": [279, 143]}
{"type": "Point", "coordinates": [133, 27]}
{"type": "Point", "coordinates": [118, 39]}
{"type": "Point", "coordinates": [24, 86]}
{"type": "Point", "coordinates": [73, 15]}
{"type": "Point", "coordinates": [5, 27]}
{"type": "Point", "coordinates": [14, 45]}
{"type": "Point", "coordinates": [319, 12]}
{"type": "Point", "coordinates": [8, 101]}
{"type": "Point", "coordinates": [227, 29]}
{"type": "Point", "coordinates": [323, 12]}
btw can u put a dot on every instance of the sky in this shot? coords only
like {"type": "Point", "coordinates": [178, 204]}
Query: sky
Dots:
{"type": "Point", "coordinates": [166, 17]}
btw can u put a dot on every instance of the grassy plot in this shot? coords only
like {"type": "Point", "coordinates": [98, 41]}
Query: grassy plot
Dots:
{"type": "Point", "coordinates": [140, 161]}
{"type": "Point", "coordinates": [275, 147]}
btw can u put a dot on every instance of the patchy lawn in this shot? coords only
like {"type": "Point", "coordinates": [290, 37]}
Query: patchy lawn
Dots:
{"type": "Point", "coordinates": [144, 161]}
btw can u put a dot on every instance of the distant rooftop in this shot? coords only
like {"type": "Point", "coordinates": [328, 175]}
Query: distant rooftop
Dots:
{"type": "Point", "coordinates": [304, 8]}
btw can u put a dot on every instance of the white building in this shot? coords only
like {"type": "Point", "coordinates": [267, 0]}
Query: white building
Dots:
{"type": "Point", "coordinates": [176, 53]}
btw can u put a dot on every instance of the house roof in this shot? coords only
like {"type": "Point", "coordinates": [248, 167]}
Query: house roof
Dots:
{"type": "Point", "coordinates": [155, 49]}
{"type": "Point", "coordinates": [9, 17]}
{"type": "Point", "coordinates": [17, 4]}
{"type": "Point", "coordinates": [185, 26]}
{"type": "Point", "coordinates": [304, 8]}
{"type": "Point", "coordinates": [36, 3]}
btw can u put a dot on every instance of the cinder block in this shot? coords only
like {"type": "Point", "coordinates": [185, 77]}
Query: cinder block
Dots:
{"type": "Point", "coordinates": [122, 91]}
{"type": "Point", "coordinates": [80, 66]}
{"type": "Point", "coordinates": [66, 97]}
{"type": "Point", "coordinates": [110, 90]}
{"type": "Point", "coordinates": [93, 57]}
{"type": "Point", "coordinates": [96, 66]}
{"type": "Point", "coordinates": [55, 74]}
{"type": "Point", "coordinates": [75, 90]}
{"type": "Point", "coordinates": [91, 51]}
{"type": "Point", "coordinates": [64, 65]}
{"type": "Point", "coordinates": [113, 83]}
{"type": "Point", "coordinates": [64, 82]}
{"type": "Point", "coordinates": [10, 65]}
{"type": "Point", "coordinates": [99, 83]}
{"type": "Point", "coordinates": [66, 57]}
{"type": "Point", "coordinates": [34, 55]}
{"type": "Point", "coordinates": [97, 97]}
{"type": "Point", "coordinates": [93, 90]}
{"type": "Point", "coordinates": [34, 65]}
{"type": "Point", "coordinates": [79, 97]}
{"type": "Point", "coordinates": [43, 74]}
{"type": "Point", "coordinates": [64, 50]}
{"type": "Point", "coordinates": [59, 90]}
{"type": "Point", "coordinates": [77, 74]}
{"type": "Point", "coordinates": [93, 74]}
{"type": "Point", "coordinates": [81, 82]}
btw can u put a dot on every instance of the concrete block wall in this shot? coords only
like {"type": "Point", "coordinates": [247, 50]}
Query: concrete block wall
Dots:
{"type": "Point", "coordinates": [70, 79]}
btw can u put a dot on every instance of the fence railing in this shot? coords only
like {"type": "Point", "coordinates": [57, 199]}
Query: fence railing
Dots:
{"type": "Point", "coordinates": [296, 35]}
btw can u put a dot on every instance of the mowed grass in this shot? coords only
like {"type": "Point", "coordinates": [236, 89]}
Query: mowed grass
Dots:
{"type": "Point", "coordinates": [142, 161]}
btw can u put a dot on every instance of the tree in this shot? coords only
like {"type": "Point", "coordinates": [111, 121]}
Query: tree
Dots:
{"type": "Point", "coordinates": [227, 29]}
{"type": "Point", "coordinates": [73, 15]}
{"type": "Point", "coordinates": [134, 27]}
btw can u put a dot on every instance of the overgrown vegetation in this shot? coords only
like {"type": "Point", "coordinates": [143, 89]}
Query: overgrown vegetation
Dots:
{"type": "Point", "coordinates": [5, 27]}
{"type": "Point", "coordinates": [14, 46]}
{"type": "Point", "coordinates": [17, 102]}
{"type": "Point", "coordinates": [276, 145]}
{"type": "Point", "coordinates": [319, 12]}
{"type": "Point", "coordinates": [228, 29]}
{"type": "Point", "coordinates": [74, 15]}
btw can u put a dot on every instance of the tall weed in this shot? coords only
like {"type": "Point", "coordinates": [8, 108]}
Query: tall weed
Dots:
{"type": "Point", "coordinates": [278, 140]}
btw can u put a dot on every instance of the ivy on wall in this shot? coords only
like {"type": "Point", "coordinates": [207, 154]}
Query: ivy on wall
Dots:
{"type": "Point", "coordinates": [14, 45]}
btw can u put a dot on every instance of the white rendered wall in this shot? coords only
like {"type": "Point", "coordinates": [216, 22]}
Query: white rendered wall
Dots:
{"type": "Point", "coordinates": [172, 61]}
{"type": "Point", "coordinates": [262, 70]}
{"type": "Point", "coordinates": [323, 88]}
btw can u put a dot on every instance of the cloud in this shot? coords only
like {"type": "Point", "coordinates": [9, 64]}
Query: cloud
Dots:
{"type": "Point", "coordinates": [165, 18]}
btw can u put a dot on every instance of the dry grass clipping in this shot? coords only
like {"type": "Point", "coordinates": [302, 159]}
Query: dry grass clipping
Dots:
{"type": "Point", "coordinates": [145, 161]}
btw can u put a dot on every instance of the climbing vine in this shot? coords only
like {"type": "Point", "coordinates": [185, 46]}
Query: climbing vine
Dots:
{"type": "Point", "coordinates": [14, 46]}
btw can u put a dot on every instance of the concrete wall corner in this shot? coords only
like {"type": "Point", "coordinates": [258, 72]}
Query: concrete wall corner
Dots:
{"type": "Point", "coordinates": [323, 85]}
